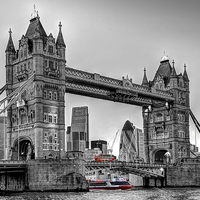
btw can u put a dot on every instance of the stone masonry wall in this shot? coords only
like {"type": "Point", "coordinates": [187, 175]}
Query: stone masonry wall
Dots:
{"type": "Point", "coordinates": [186, 172]}
{"type": "Point", "coordinates": [56, 175]}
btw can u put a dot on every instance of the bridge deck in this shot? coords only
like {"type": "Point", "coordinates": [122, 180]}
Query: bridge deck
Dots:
{"type": "Point", "coordinates": [12, 166]}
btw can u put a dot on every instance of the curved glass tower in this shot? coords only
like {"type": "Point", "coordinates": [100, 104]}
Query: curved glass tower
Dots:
{"type": "Point", "coordinates": [128, 143]}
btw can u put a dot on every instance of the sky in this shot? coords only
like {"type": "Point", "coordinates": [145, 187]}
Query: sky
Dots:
{"type": "Point", "coordinates": [114, 38]}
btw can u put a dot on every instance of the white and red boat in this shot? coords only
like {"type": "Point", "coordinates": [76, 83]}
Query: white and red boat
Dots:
{"type": "Point", "coordinates": [110, 184]}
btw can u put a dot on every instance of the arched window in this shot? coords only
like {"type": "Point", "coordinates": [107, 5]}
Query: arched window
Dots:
{"type": "Point", "coordinates": [159, 117]}
{"type": "Point", "coordinates": [50, 139]}
{"type": "Point", "coordinates": [50, 94]}
{"type": "Point", "coordinates": [55, 96]}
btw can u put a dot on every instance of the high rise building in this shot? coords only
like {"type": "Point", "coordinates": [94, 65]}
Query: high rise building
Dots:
{"type": "Point", "coordinates": [131, 143]}
{"type": "Point", "coordinates": [102, 144]}
{"type": "Point", "coordinates": [79, 134]}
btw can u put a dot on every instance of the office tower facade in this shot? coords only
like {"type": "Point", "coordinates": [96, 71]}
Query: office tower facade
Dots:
{"type": "Point", "coordinates": [131, 143]}
{"type": "Point", "coordinates": [102, 144]}
{"type": "Point", "coordinates": [79, 134]}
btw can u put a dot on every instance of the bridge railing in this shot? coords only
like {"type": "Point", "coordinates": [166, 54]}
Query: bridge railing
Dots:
{"type": "Point", "coordinates": [4, 162]}
{"type": "Point", "coordinates": [114, 163]}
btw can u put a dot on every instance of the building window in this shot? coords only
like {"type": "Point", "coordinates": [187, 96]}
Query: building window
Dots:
{"type": "Point", "coordinates": [50, 118]}
{"type": "Point", "coordinates": [45, 65]}
{"type": "Point", "coordinates": [55, 97]}
{"type": "Point", "coordinates": [159, 117]}
{"type": "Point", "coordinates": [56, 65]}
{"type": "Point", "coordinates": [25, 51]}
{"type": "Point", "coordinates": [75, 136]}
{"type": "Point", "coordinates": [51, 65]}
{"type": "Point", "coordinates": [55, 119]}
{"type": "Point", "coordinates": [50, 94]}
{"type": "Point", "coordinates": [50, 49]}
{"type": "Point", "coordinates": [25, 67]}
{"type": "Point", "coordinates": [181, 134]}
{"type": "Point", "coordinates": [55, 135]}
{"type": "Point", "coordinates": [45, 117]}
{"type": "Point", "coordinates": [21, 54]}
{"type": "Point", "coordinates": [50, 139]}
{"type": "Point", "coordinates": [82, 136]}
{"type": "Point", "coordinates": [167, 117]}
{"type": "Point", "coordinates": [45, 94]}
{"type": "Point", "coordinates": [181, 117]}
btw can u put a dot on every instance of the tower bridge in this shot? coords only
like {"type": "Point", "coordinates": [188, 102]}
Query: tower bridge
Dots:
{"type": "Point", "coordinates": [37, 79]}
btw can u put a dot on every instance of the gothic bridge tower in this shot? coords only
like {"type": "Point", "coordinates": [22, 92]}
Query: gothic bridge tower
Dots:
{"type": "Point", "coordinates": [166, 125]}
{"type": "Point", "coordinates": [36, 122]}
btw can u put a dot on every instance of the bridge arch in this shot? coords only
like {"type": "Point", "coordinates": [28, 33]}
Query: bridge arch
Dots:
{"type": "Point", "coordinates": [25, 151]}
{"type": "Point", "coordinates": [159, 156]}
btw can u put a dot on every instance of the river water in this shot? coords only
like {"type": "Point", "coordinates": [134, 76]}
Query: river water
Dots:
{"type": "Point", "coordinates": [184, 193]}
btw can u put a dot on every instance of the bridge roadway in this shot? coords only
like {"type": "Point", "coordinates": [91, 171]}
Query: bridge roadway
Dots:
{"type": "Point", "coordinates": [12, 166]}
{"type": "Point", "coordinates": [140, 169]}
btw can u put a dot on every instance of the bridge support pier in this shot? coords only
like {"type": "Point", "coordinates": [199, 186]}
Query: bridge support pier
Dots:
{"type": "Point", "coordinates": [155, 182]}
{"type": "Point", "coordinates": [146, 181]}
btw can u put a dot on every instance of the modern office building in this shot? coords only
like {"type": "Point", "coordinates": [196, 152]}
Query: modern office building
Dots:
{"type": "Point", "coordinates": [79, 133]}
{"type": "Point", "coordinates": [102, 144]}
{"type": "Point", "coordinates": [131, 143]}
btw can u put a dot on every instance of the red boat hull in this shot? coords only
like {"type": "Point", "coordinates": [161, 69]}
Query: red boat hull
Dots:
{"type": "Point", "coordinates": [122, 187]}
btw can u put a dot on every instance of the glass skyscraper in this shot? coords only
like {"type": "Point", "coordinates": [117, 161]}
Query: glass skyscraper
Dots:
{"type": "Point", "coordinates": [79, 133]}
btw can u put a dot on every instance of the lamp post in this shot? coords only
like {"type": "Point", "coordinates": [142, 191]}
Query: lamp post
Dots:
{"type": "Point", "coordinates": [18, 133]}
{"type": "Point", "coordinates": [168, 160]}
{"type": "Point", "coordinates": [146, 112]}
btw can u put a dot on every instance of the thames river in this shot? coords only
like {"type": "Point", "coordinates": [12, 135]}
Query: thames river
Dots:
{"type": "Point", "coordinates": [133, 194]}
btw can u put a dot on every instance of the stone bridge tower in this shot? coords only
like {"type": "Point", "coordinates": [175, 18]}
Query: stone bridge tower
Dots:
{"type": "Point", "coordinates": [166, 125]}
{"type": "Point", "coordinates": [36, 122]}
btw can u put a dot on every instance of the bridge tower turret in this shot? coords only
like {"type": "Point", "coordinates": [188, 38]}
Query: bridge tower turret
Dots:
{"type": "Point", "coordinates": [166, 124]}
{"type": "Point", "coordinates": [36, 122]}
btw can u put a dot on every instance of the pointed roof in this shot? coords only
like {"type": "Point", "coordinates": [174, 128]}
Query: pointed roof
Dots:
{"type": "Point", "coordinates": [173, 73]}
{"type": "Point", "coordinates": [10, 46]}
{"type": "Point", "coordinates": [127, 126]}
{"type": "Point", "coordinates": [164, 70]}
{"type": "Point", "coordinates": [185, 76]}
{"type": "Point", "coordinates": [128, 130]}
{"type": "Point", "coordinates": [60, 39]}
{"type": "Point", "coordinates": [35, 26]}
{"type": "Point", "coordinates": [145, 80]}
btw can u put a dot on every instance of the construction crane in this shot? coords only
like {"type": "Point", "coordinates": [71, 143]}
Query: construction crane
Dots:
{"type": "Point", "coordinates": [110, 150]}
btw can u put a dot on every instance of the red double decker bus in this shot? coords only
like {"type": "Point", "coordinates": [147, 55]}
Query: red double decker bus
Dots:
{"type": "Point", "coordinates": [100, 158]}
